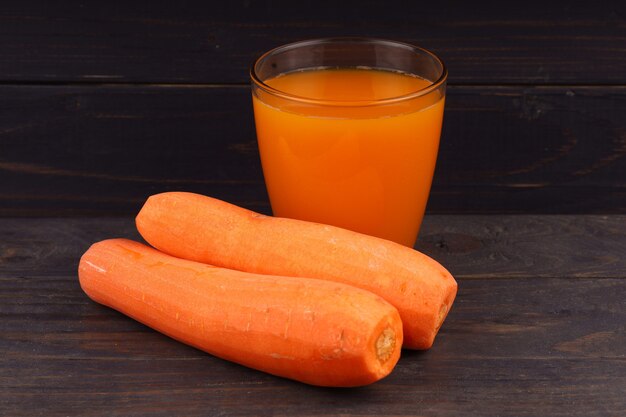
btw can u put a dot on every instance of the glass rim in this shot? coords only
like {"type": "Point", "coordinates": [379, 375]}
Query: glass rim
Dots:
{"type": "Point", "coordinates": [434, 85]}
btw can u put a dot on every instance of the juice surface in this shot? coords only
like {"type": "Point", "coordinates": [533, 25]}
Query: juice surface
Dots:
{"type": "Point", "coordinates": [348, 161]}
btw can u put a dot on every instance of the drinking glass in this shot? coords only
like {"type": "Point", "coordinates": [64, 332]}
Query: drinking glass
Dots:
{"type": "Point", "coordinates": [348, 132]}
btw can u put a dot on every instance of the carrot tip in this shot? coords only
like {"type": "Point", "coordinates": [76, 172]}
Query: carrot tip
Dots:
{"type": "Point", "coordinates": [385, 344]}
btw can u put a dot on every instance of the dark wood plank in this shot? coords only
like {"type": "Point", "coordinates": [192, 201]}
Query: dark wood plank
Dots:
{"type": "Point", "coordinates": [101, 150]}
{"type": "Point", "coordinates": [471, 247]}
{"type": "Point", "coordinates": [543, 150]}
{"type": "Point", "coordinates": [524, 347]}
{"type": "Point", "coordinates": [54, 246]}
{"type": "Point", "coordinates": [198, 42]}
{"type": "Point", "coordinates": [526, 246]}
{"type": "Point", "coordinates": [104, 149]}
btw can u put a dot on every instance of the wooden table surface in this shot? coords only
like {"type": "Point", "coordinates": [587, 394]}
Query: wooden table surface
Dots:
{"type": "Point", "coordinates": [538, 329]}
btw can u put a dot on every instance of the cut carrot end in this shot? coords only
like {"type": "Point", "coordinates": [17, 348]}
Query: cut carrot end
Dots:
{"type": "Point", "coordinates": [385, 344]}
{"type": "Point", "coordinates": [443, 312]}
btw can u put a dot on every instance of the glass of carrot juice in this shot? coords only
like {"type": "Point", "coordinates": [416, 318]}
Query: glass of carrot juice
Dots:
{"type": "Point", "coordinates": [348, 132]}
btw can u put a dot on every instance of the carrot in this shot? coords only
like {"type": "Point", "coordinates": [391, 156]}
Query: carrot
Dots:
{"type": "Point", "coordinates": [314, 331]}
{"type": "Point", "coordinates": [207, 230]}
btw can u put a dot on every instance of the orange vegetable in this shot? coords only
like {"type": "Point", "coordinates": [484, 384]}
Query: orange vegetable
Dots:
{"type": "Point", "coordinates": [207, 230]}
{"type": "Point", "coordinates": [314, 331]}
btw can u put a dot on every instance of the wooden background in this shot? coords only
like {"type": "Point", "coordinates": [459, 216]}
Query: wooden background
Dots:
{"type": "Point", "coordinates": [105, 103]}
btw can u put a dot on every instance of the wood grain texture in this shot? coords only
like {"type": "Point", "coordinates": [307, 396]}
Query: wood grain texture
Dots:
{"type": "Point", "coordinates": [104, 104]}
{"type": "Point", "coordinates": [537, 329]}
{"type": "Point", "coordinates": [534, 42]}
{"type": "Point", "coordinates": [556, 350]}
{"type": "Point", "coordinates": [94, 150]}
{"type": "Point", "coordinates": [524, 347]}
{"type": "Point", "coordinates": [525, 246]}
{"type": "Point", "coordinates": [471, 247]}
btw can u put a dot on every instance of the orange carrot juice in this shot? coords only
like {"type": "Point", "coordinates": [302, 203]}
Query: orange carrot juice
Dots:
{"type": "Point", "coordinates": [357, 150]}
